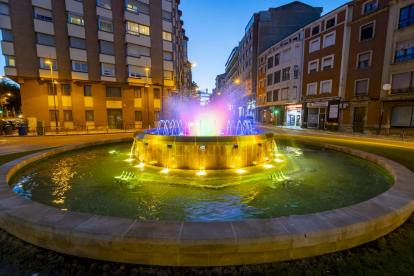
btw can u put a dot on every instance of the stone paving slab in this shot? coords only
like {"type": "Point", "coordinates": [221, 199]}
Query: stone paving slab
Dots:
{"type": "Point", "coordinates": [172, 243]}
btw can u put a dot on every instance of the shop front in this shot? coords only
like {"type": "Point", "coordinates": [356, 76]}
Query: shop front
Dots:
{"type": "Point", "coordinates": [294, 115]}
{"type": "Point", "coordinates": [322, 115]}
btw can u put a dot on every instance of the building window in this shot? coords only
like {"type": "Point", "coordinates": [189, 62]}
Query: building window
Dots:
{"type": "Point", "coordinates": [269, 79]}
{"type": "Point", "coordinates": [132, 50]}
{"type": "Point", "coordinates": [402, 83]}
{"type": "Point", "coordinates": [168, 75]}
{"type": "Point", "coordinates": [144, 51]}
{"type": "Point", "coordinates": [43, 14]}
{"type": "Point", "coordinates": [329, 39]}
{"type": "Point", "coordinates": [326, 86]}
{"type": "Point", "coordinates": [10, 61]}
{"type": "Point", "coordinates": [89, 115]}
{"type": "Point", "coordinates": [108, 69]}
{"type": "Point", "coordinates": [367, 32]}
{"type": "Point", "coordinates": [370, 6]}
{"type": "Point", "coordinates": [275, 95]}
{"type": "Point", "coordinates": [330, 23]}
{"type": "Point", "coordinates": [402, 116]}
{"type": "Point", "coordinates": [361, 87]}
{"type": "Point", "coordinates": [270, 62]}
{"type": "Point", "coordinates": [406, 17]}
{"type": "Point", "coordinates": [168, 56]}
{"type": "Point", "coordinates": [286, 55]}
{"type": "Point", "coordinates": [106, 4]}
{"type": "Point", "coordinates": [78, 43]}
{"type": "Point", "coordinates": [277, 59]}
{"type": "Point", "coordinates": [285, 94]}
{"type": "Point", "coordinates": [313, 66]}
{"type": "Point", "coordinates": [4, 8]}
{"type": "Point", "coordinates": [327, 63]}
{"type": "Point", "coordinates": [269, 96]}
{"type": "Point", "coordinates": [7, 35]}
{"type": "Point", "coordinates": [136, 72]}
{"type": "Point", "coordinates": [316, 30]}
{"type": "Point", "coordinates": [138, 116]}
{"type": "Point", "coordinates": [87, 90]}
{"type": "Point", "coordinates": [277, 77]}
{"type": "Point", "coordinates": [167, 36]}
{"type": "Point", "coordinates": [76, 19]}
{"type": "Point", "coordinates": [137, 93]}
{"type": "Point", "coordinates": [137, 29]}
{"type": "Point", "coordinates": [107, 47]}
{"type": "Point", "coordinates": [44, 65]}
{"type": "Point", "coordinates": [54, 115]}
{"type": "Point", "coordinates": [286, 74]}
{"type": "Point", "coordinates": [51, 90]}
{"type": "Point", "coordinates": [311, 89]}
{"type": "Point", "coordinates": [166, 16]}
{"type": "Point", "coordinates": [132, 6]}
{"type": "Point", "coordinates": [143, 8]}
{"type": "Point", "coordinates": [79, 66]}
{"type": "Point", "coordinates": [44, 39]}
{"type": "Point", "coordinates": [105, 25]}
{"type": "Point", "coordinates": [67, 115]}
{"type": "Point", "coordinates": [157, 115]}
{"type": "Point", "coordinates": [314, 45]}
{"type": "Point", "coordinates": [405, 51]}
{"type": "Point", "coordinates": [65, 89]}
{"type": "Point", "coordinates": [364, 60]}
{"type": "Point", "coordinates": [157, 93]}
{"type": "Point", "coordinates": [113, 92]}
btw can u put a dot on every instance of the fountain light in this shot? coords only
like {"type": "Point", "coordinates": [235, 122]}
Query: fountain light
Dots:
{"type": "Point", "coordinates": [278, 155]}
{"type": "Point", "coordinates": [240, 171]}
{"type": "Point", "coordinates": [140, 165]}
{"type": "Point", "coordinates": [201, 173]}
{"type": "Point", "coordinates": [129, 160]}
{"type": "Point", "coordinates": [165, 171]}
{"type": "Point", "coordinates": [278, 160]}
{"type": "Point", "coordinates": [268, 166]}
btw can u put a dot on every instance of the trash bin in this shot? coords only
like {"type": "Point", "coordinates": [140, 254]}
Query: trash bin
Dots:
{"type": "Point", "coordinates": [22, 129]}
{"type": "Point", "coordinates": [8, 130]}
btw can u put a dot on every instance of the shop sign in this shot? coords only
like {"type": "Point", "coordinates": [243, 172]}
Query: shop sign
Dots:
{"type": "Point", "coordinates": [317, 104]}
{"type": "Point", "coordinates": [294, 106]}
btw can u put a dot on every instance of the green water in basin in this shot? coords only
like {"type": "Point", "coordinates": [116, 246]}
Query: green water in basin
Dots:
{"type": "Point", "coordinates": [316, 180]}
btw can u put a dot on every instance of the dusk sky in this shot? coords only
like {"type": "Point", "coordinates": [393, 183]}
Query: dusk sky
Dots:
{"type": "Point", "coordinates": [215, 27]}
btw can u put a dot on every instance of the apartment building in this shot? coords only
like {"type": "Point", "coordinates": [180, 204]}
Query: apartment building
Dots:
{"type": "Point", "coordinates": [280, 75]}
{"type": "Point", "coordinates": [112, 61]}
{"type": "Point", "coordinates": [232, 66]}
{"type": "Point", "coordinates": [264, 29]}
{"type": "Point", "coordinates": [323, 69]}
{"type": "Point", "coordinates": [364, 61]}
{"type": "Point", "coordinates": [397, 95]}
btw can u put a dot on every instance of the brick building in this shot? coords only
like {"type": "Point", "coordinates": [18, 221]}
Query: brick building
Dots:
{"type": "Point", "coordinates": [323, 69]}
{"type": "Point", "coordinates": [112, 60]}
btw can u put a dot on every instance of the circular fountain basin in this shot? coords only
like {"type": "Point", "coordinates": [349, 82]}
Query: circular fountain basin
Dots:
{"type": "Point", "coordinates": [203, 152]}
{"type": "Point", "coordinates": [213, 243]}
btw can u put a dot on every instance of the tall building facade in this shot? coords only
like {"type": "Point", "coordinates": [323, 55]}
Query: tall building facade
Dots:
{"type": "Point", "coordinates": [264, 29]}
{"type": "Point", "coordinates": [112, 61]}
{"type": "Point", "coordinates": [279, 77]}
{"type": "Point", "coordinates": [323, 68]}
{"type": "Point", "coordinates": [232, 66]}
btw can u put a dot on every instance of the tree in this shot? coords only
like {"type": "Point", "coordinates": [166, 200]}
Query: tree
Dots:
{"type": "Point", "coordinates": [9, 87]}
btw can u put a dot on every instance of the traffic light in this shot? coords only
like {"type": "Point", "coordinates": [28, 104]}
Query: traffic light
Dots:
{"type": "Point", "coordinates": [1, 111]}
{"type": "Point", "coordinates": [276, 111]}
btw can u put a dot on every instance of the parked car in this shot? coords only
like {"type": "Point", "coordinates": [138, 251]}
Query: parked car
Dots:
{"type": "Point", "coordinates": [247, 118]}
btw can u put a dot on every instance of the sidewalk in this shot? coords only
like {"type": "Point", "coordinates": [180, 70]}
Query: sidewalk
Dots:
{"type": "Point", "coordinates": [347, 134]}
{"type": "Point", "coordinates": [10, 145]}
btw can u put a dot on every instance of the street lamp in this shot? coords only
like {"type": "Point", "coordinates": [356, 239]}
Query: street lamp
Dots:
{"type": "Point", "coordinates": [146, 72]}
{"type": "Point", "coordinates": [237, 81]}
{"type": "Point", "coordinates": [185, 65]}
{"type": "Point", "coordinates": [53, 91]}
{"type": "Point", "coordinates": [1, 101]}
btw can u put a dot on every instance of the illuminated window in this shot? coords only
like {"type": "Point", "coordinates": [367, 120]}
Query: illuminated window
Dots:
{"type": "Point", "coordinates": [167, 36]}
{"type": "Point", "coordinates": [105, 25]}
{"type": "Point", "coordinates": [76, 19]}
{"type": "Point", "coordinates": [10, 61]}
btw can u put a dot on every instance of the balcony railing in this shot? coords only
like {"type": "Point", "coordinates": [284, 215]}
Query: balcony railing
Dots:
{"type": "Point", "coordinates": [402, 90]}
{"type": "Point", "coordinates": [404, 58]}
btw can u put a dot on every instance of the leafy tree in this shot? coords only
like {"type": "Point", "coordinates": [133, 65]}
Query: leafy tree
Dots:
{"type": "Point", "coordinates": [9, 87]}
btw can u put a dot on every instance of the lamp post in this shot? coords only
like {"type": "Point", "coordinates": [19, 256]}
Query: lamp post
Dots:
{"type": "Point", "coordinates": [53, 91]}
{"type": "Point", "coordinates": [181, 70]}
{"type": "Point", "coordinates": [147, 86]}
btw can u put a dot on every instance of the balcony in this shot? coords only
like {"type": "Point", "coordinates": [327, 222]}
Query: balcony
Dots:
{"type": "Point", "coordinates": [402, 90]}
{"type": "Point", "coordinates": [404, 57]}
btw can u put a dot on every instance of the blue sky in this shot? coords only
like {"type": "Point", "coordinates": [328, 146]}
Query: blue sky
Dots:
{"type": "Point", "coordinates": [215, 27]}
